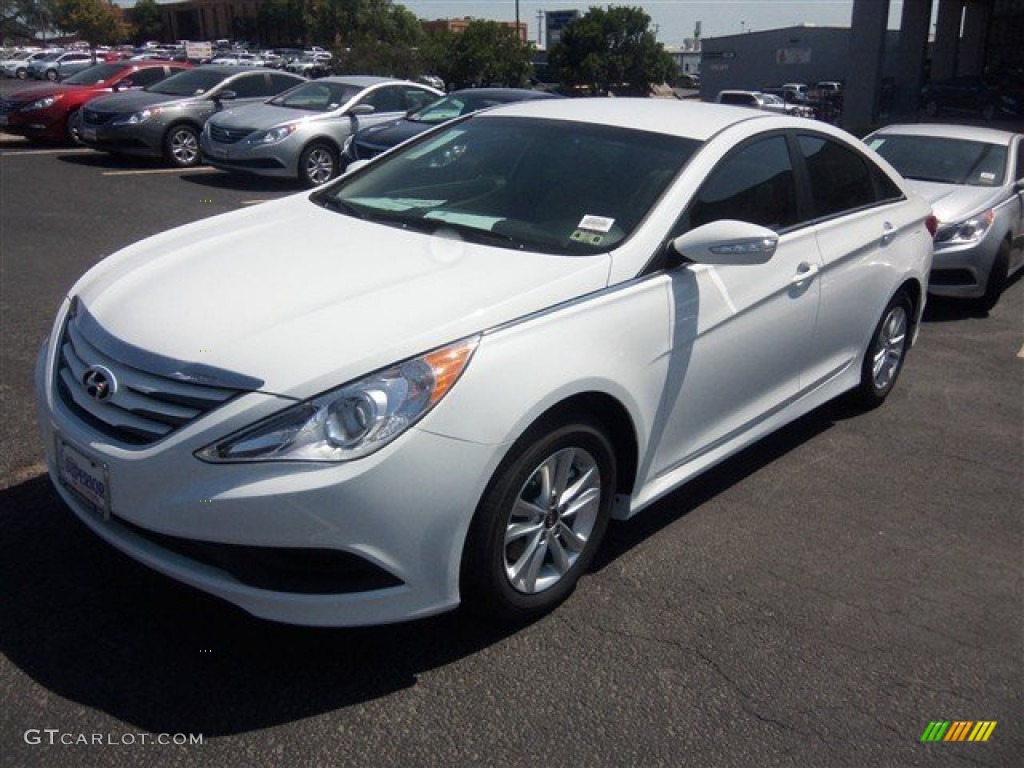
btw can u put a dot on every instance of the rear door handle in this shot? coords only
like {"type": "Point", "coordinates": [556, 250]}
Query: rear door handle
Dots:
{"type": "Point", "coordinates": [804, 272]}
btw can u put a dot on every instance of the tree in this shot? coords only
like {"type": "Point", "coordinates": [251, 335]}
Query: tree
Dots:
{"type": "Point", "coordinates": [485, 53]}
{"type": "Point", "coordinates": [94, 20]}
{"type": "Point", "coordinates": [146, 18]}
{"type": "Point", "coordinates": [25, 19]}
{"type": "Point", "coordinates": [613, 47]}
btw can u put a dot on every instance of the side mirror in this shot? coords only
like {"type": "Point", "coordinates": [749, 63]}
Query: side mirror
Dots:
{"type": "Point", "coordinates": [727, 242]}
{"type": "Point", "coordinates": [124, 85]}
{"type": "Point", "coordinates": [362, 109]}
{"type": "Point", "coordinates": [225, 96]}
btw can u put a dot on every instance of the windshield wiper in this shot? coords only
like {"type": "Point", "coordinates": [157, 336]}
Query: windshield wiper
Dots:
{"type": "Point", "coordinates": [341, 206]}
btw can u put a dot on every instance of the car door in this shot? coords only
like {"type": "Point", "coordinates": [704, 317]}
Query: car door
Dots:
{"type": "Point", "coordinates": [860, 219]}
{"type": "Point", "coordinates": [740, 333]}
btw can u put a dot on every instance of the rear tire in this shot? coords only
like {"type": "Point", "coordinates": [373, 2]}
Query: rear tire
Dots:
{"type": "Point", "coordinates": [886, 352]}
{"type": "Point", "coordinates": [540, 521]}
{"type": "Point", "coordinates": [21, 73]}
{"type": "Point", "coordinates": [52, 75]}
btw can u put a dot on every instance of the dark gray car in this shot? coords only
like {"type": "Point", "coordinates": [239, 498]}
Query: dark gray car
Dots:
{"type": "Point", "coordinates": [165, 120]}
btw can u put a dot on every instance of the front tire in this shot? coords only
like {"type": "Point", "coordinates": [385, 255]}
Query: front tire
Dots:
{"type": "Point", "coordinates": [21, 73]}
{"type": "Point", "coordinates": [71, 128]}
{"type": "Point", "coordinates": [886, 352]}
{"type": "Point", "coordinates": [997, 278]}
{"type": "Point", "coordinates": [318, 164]}
{"type": "Point", "coordinates": [540, 521]}
{"type": "Point", "coordinates": [181, 146]}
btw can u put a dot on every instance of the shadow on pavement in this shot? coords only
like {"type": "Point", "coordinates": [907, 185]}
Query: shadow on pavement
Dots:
{"type": "Point", "coordinates": [93, 626]}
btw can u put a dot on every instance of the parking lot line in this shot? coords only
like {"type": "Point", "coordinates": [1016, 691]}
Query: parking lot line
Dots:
{"type": "Point", "coordinates": [145, 171]}
{"type": "Point", "coordinates": [65, 151]}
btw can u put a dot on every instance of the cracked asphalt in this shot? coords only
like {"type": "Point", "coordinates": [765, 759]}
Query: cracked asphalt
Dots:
{"type": "Point", "coordinates": [816, 601]}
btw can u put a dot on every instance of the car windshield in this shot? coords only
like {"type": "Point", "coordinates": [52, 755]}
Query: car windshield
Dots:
{"type": "Point", "coordinates": [527, 184]}
{"type": "Point", "coordinates": [453, 106]}
{"type": "Point", "coordinates": [191, 83]}
{"type": "Point", "coordinates": [943, 160]}
{"type": "Point", "coordinates": [316, 96]}
{"type": "Point", "coordinates": [94, 74]}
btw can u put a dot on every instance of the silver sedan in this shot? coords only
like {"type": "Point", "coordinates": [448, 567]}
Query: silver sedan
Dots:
{"type": "Point", "coordinates": [974, 179]}
{"type": "Point", "coordinates": [300, 133]}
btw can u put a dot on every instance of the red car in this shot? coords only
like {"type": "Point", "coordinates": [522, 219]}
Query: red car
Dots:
{"type": "Point", "coordinates": [44, 111]}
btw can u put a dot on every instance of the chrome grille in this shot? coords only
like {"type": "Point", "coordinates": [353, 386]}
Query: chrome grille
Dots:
{"type": "Point", "coordinates": [144, 407]}
{"type": "Point", "coordinates": [228, 135]}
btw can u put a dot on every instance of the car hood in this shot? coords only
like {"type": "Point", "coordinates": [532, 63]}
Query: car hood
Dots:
{"type": "Point", "coordinates": [305, 299]}
{"type": "Point", "coordinates": [37, 91]}
{"type": "Point", "coordinates": [259, 117]}
{"type": "Point", "coordinates": [134, 101]}
{"type": "Point", "coordinates": [391, 133]}
{"type": "Point", "coordinates": [952, 202]}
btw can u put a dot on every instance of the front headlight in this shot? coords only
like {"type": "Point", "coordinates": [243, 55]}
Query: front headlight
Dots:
{"type": "Point", "coordinates": [354, 420]}
{"type": "Point", "coordinates": [274, 135]}
{"type": "Point", "coordinates": [43, 103]}
{"type": "Point", "coordinates": [969, 231]}
{"type": "Point", "coordinates": [137, 117]}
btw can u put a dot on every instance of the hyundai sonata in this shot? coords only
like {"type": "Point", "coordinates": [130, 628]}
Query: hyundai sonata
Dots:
{"type": "Point", "coordinates": [435, 379]}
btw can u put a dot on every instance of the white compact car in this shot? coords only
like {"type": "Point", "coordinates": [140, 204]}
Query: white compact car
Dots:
{"type": "Point", "coordinates": [435, 379]}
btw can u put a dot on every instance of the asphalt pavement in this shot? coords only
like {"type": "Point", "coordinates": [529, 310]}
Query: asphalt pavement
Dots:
{"type": "Point", "coordinates": [818, 600]}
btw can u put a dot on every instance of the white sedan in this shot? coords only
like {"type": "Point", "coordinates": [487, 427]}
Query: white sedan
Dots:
{"type": "Point", "coordinates": [434, 380]}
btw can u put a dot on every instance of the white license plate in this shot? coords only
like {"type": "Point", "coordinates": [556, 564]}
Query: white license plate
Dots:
{"type": "Point", "coordinates": [89, 134]}
{"type": "Point", "coordinates": [84, 477]}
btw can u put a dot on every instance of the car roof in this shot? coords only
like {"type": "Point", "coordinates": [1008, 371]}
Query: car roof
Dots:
{"type": "Point", "coordinates": [688, 119]}
{"type": "Point", "coordinates": [497, 93]}
{"type": "Point", "coordinates": [227, 69]}
{"type": "Point", "coordinates": [949, 131]}
{"type": "Point", "coordinates": [363, 81]}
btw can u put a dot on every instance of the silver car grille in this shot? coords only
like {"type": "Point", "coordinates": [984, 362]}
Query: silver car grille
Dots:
{"type": "Point", "coordinates": [144, 406]}
{"type": "Point", "coordinates": [228, 135]}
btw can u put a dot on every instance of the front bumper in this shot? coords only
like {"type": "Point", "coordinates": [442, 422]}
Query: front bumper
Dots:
{"type": "Point", "coordinates": [144, 140]}
{"type": "Point", "coordinates": [38, 124]}
{"type": "Point", "coordinates": [961, 270]}
{"type": "Point", "coordinates": [277, 160]}
{"type": "Point", "coordinates": [383, 536]}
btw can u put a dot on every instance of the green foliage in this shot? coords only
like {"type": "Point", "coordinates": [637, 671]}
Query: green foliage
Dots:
{"type": "Point", "coordinates": [93, 20]}
{"type": "Point", "coordinates": [22, 19]}
{"type": "Point", "coordinates": [611, 47]}
{"type": "Point", "coordinates": [485, 53]}
{"type": "Point", "coordinates": [146, 19]}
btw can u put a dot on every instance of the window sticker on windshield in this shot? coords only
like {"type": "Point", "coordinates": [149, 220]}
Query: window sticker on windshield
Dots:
{"type": "Point", "coordinates": [986, 176]}
{"type": "Point", "coordinates": [468, 219]}
{"type": "Point", "coordinates": [596, 224]}
{"type": "Point", "coordinates": [587, 238]}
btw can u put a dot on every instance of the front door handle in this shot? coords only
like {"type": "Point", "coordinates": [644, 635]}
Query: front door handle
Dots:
{"type": "Point", "coordinates": [804, 273]}
{"type": "Point", "coordinates": [888, 233]}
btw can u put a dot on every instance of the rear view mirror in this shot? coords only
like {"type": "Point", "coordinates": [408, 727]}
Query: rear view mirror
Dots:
{"type": "Point", "coordinates": [727, 242]}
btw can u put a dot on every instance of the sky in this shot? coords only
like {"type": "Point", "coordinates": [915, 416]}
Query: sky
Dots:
{"type": "Point", "coordinates": [674, 19]}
